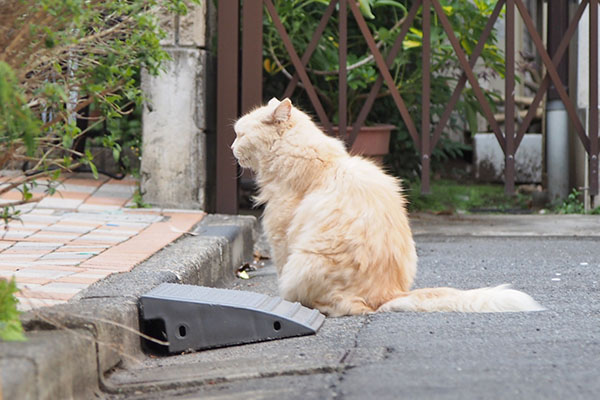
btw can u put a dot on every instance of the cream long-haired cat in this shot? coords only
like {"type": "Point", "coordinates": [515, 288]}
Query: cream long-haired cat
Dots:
{"type": "Point", "coordinates": [337, 224]}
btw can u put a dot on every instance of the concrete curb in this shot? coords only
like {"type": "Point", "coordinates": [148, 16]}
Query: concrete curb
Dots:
{"type": "Point", "coordinates": [486, 225]}
{"type": "Point", "coordinates": [72, 346]}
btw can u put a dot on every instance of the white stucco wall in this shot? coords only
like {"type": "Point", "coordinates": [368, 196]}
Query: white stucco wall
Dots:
{"type": "Point", "coordinates": [173, 168]}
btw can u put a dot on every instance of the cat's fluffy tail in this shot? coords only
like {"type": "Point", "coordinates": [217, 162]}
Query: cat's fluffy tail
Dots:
{"type": "Point", "coordinates": [494, 299]}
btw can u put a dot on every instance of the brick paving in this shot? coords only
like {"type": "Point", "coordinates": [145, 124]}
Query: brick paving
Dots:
{"type": "Point", "coordinates": [84, 232]}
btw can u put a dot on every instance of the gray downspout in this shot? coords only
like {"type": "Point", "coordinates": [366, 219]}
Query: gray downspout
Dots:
{"type": "Point", "coordinates": [557, 121]}
{"type": "Point", "coordinates": [557, 149]}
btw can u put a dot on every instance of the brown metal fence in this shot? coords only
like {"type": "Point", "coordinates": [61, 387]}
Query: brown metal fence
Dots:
{"type": "Point", "coordinates": [239, 82]}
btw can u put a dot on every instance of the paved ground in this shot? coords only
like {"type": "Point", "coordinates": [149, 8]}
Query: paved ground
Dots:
{"type": "Point", "coordinates": [553, 354]}
{"type": "Point", "coordinates": [87, 231]}
{"type": "Point", "coordinates": [89, 346]}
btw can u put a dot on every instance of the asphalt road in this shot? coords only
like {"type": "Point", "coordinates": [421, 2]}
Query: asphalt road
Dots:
{"type": "Point", "coordinates": [553, 354]}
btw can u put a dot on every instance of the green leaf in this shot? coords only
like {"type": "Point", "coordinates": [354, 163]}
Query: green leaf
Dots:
{"type": "Point", "coordinates": [466, 45]}
{"type": "Point", "coordinates": [10, 325]}
{"type": "Point", "coordinates": [116, 151]}
{"type": "Point", "coordinates": [409, 44]}
{"type": "Point", "coordinates": [365, 9]}
{"type": "Point", "coordinates": [67, 141]}
{"type": "Point", "coordinates": [472, 119]}
{"type": "Point", "coordinates": [17, 122]}
{"type": "Point", "coordinates": [383, 33]}
{"type": "Point", "coordinates": [380, 3]}
{"type": "Point", "coordinates": [416, 31]}
{"type": "Point", "coordinates": [94, 170]}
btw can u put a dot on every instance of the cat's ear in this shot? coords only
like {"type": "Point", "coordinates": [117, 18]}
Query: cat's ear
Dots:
{"type": "Point", "coordinates": [283, 111]}
{"type": "Point", "coordinates": [273, 101]}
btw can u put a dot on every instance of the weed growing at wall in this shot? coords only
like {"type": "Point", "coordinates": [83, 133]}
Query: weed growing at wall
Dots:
{"type": "Point", "coordinates": [573, 205]}
{"type": "Point", "coordinates": [10, 325]}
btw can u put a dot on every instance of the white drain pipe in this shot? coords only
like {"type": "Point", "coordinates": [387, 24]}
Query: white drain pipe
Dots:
{"type": "Point", "coordinates": [557, 150]}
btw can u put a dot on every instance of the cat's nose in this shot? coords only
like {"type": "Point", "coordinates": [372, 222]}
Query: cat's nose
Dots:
{"type": "Point", "coordinates": [233, 144]}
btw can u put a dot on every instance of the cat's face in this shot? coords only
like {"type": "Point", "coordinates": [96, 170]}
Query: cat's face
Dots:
{"type": "Point", "coordinates": [257, 131]}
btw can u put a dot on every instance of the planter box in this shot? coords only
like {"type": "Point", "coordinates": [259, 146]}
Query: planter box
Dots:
{"type": "Point", "coordinates": [371, 141]}
{"type": "Point", "coordinates": [489, 159]}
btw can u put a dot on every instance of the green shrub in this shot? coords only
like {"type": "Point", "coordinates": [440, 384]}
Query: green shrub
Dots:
{"type": "Point", "coordinates": [67, 67]}
{"type": "Point", "coordinates": [572, 204]}
{"type": "Point", "coordinates": [385, 18]}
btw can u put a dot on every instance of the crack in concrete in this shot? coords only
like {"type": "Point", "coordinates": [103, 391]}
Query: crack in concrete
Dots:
{"type": "Point", "coordinates": [195, 383]}
{"type": "Point", "coordinates": [344, 366]}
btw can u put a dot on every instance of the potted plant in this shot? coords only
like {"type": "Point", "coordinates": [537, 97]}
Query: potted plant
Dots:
{"type": "Point", "coordinates": [371, 141]}
{"type": "Point", "coordinates": [384, 18]}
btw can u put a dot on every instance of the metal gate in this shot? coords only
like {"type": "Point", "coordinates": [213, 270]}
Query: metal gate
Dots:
{"type": "Point", "coordinates": [239, 80]}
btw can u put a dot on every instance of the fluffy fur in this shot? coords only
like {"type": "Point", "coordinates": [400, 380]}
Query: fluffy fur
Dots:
{"type": "Point", "coordinates": [337, 223]}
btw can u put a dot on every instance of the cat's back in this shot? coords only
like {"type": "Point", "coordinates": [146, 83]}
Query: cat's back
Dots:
{"type": "Point", "coordinates": [359, 220]}
{"type": "Point", "coordinates": [356, 188]}
{"type": "Point", "coordinates": [362, 179]}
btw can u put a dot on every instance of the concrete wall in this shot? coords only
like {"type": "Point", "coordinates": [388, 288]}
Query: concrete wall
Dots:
{"type": "Point", "coordinates": [489, 159]}
{"type": "Point", "coordinates": [175, 123]}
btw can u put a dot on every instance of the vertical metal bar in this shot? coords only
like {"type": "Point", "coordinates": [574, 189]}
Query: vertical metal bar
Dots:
{"type": "Point", "coordinates": [553, 74]}
{"type": "Point", "coordinates": [556, 118]}
{"type": "Point", "coordinates": [558, 20]}
{"type": "Point", "coordinates": [310, 90]}
{"type": "Point", "coordinates": [464, 63]}
{"type": "Point", "coordinates": [593, 132]}
{"type": "Point", "coordinates": [311, 47]}
{"type": "Point", "coordinates": [227, 104]}
{"type": "Point", "coordinates": [251, 66]}
{"type": "Point", "coordinates": [509, 101]}
{"type": "Point", "coordinates": [437, 133]}
{"type": "Point", "coordinates": [385, 72]}
{"type": "Point", "coordinates": [366, 108]}
{"type": "Point", "coordinates": [560, 51]}
{"type": "Point", "coordinates": [425, 103]}
{"type": "Point", "coordinates": [343, 73]}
